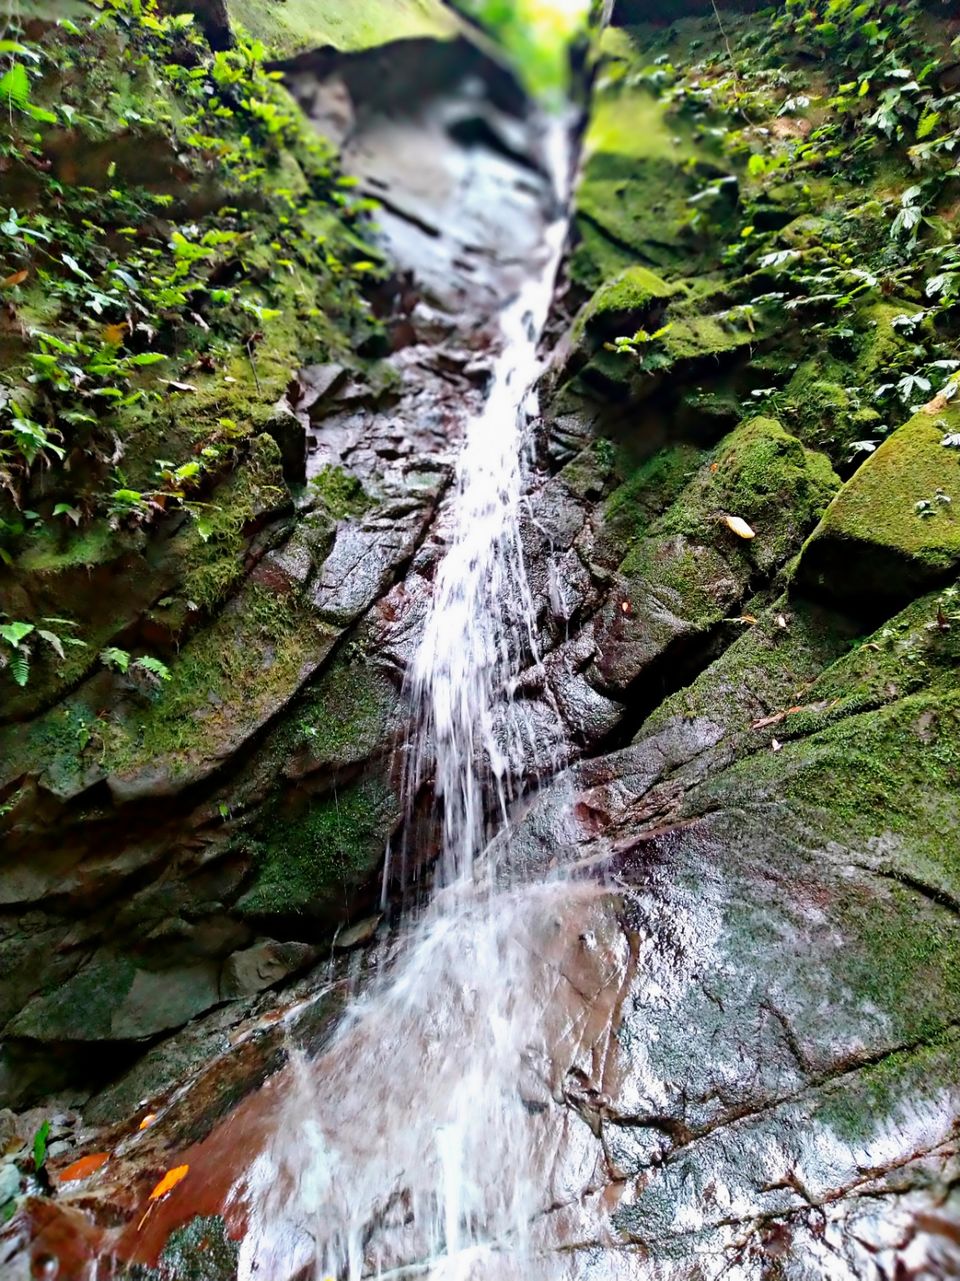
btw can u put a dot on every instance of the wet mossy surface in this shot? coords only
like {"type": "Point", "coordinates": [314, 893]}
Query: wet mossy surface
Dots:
{"type": "Point", "coordinates": [312, 863]}
{"type": "Point", "coordinates": [893, 530]}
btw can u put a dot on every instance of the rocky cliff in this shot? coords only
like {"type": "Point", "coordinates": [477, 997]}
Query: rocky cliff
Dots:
{"type": "Point", "coordinates": [743, 550]}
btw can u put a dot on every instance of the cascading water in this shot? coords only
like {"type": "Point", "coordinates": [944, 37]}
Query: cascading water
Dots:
{"type": "Point", "coordinates": [411, 1148]}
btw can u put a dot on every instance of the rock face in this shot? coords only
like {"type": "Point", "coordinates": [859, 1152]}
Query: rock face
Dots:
{"type": "Point", "coordinates": [744, 884]}
{"type": "Point", "coordinates": [154, 832]}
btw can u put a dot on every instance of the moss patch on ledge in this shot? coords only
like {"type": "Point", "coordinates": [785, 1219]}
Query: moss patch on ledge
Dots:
{"type": "Point", "coordinates": [296, 26]}
{"type": "Point", "coordinates": [766, 477]}
{"type": "Point", "coordinates": [229, 680]}
{"type": "Point", "coordinates": [894, 529]}
{"type": "Point", "coordinates": [623, 301]}
{"type": "Point", "coordinates": [313, 863]}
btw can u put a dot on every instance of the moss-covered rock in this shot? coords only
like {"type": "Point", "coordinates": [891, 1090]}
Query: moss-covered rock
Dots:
{"type": "Point", "coordinates": [110, 998]}
{"type": "Point", "coordinates": [766, 477]}
{"type": "Point", "coordinates": [312, 862]}
{"type": "Point", "coordinates": [297, 26]}
{"type": "Point", "coordinates": [893, 530]}
{"type": "Point", "coordinates": [624, 303]}
{"type": "Point", "coordinates": [692, 570]}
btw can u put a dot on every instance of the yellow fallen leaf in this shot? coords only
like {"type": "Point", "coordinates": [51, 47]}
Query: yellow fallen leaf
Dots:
{"type": "Point", "coordinates": [166, 1184]}
{"type": "Point", "coordinates": [739, 526]}
{"type": "Point", "coordinates": [113, 334]}
{"type": "Point", "coordinates": [147, 1121]}
{"type": "Point", "coordinates": [169, 1181]}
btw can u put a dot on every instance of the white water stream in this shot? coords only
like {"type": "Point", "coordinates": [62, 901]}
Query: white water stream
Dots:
{"type": "Point", "coordinates": [411, 1147]}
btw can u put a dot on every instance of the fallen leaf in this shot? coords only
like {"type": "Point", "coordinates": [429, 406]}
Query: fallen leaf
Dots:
{"type": "Point", "coordinates": [776, 745]}
{"type": "Point", "coordinates": [84, 1167]}
{"type": "Point", "coordinates": [749, 619]}
{"type": "Point", "coordinates": [781, 621]}
{"type": "Point", "coordinates": [113, 334]}
{"type": "Point", "coordinates": [937, 405]}
{"type": "Point", "coordinates": [714, 466]}
{"type": "Point", "coordinates": [166, 1184]}
{"type": "Point", "coordinates": [169, 1181]}
{"type": "Point", "coordinates": [178, 386]}
{"type": "Point", "coordinates": [17, 278]}
{"type": "Point", "coordinates": [147, 1121]}
{"type": "Point", "coordinates": [739, 526]}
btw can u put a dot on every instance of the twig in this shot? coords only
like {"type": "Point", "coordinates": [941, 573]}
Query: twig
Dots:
{"type": "Point", "coordinates": [253, 366]}
{"type": "Point", "coordinates": [733, 62]}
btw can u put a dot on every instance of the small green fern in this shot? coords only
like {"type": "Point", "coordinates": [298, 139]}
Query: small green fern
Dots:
{"type": "Point", "coordinates": [19, 663]}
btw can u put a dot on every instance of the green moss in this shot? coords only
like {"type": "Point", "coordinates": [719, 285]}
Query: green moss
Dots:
{"type": "Point", "coordinates": [766, 477]}
{"type": "Point", "coordinates": [227, 679]}
{"type": "Point", "coordinates": [624, 300]}
{"type": "Point", "coordinates": [347, 714]}
{"type": "Point", "coordinates": [349, 25]}
{"type": "Point", "coordinates": [825, 410]}
{"type": "Point", "coordinates": [83, 1007]}
{"type": "Point", "coordinates": [769, 668]}
{"type": "Point", "coordinates": [634, 506]}
{"type": "Point", "coordinates": [55, 550]}
{"type": "Point", "coordinates": [309, 863]}
{"type": "Point", "coordinates": [888, 1093]}
{"type": "Point", "coordinates": [596, 257]}
{"type": "Point", "coordinates": [633, 123]}
{"type": "Point", "coordinates": [874, 540]}
{"type": "Point", "coordinates": [880, 344]}
{"type": "Point", "coordinates": [691, 579]}
{"type": "Point", "coordinates": [340, 494]}
{"type": "Point", "coordinates": [214, 560]}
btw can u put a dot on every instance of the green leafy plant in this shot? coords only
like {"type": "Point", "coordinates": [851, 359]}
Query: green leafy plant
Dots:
{"type": "Point", "coordinates": [17, 640]}
{"type": "Point", "coordinates": [40, 1146]}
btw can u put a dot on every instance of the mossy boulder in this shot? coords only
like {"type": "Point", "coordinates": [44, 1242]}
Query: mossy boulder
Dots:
{"type": "Point", "coordinates": [692, 570]}
{"type": "Point", "coordinates": [825, 411]}
{"type": "Point", "coordinates": [765, 476]}
{"type": "Point", "coordinates": [894, 529]}
{"type": "Point", "coordinates": [640, 172]}
{"type": "Point", "coordinates": [349, 26]}
{"type": "Point", "coordinates": [624, 303]}
{"type": "Point", "coordinates": [315, 859]}
{"type": "Point", "coordinates": [112, 998]}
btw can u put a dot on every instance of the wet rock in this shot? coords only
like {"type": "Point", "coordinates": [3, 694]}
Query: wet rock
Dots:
{"type": "Point", "coordinates": [261, 966]}
{"type": "Point", "coordinates": [359, 934]}
{"type": "Point", "coordinates": [111, 999]}
{"type": "Point", "coordinates": [364, 561]}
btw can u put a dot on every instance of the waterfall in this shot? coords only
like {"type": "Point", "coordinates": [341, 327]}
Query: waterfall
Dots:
{"type": "Point", "coordinates": [411, 1146]}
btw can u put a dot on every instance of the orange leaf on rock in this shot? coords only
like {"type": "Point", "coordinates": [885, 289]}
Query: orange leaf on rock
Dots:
{"type": "Point", "coordinates": [84, 1167]}
{"type": "Point", "coordinates": [147, 1121]}
{"type": "Point", "coordinates": [169, 1181]}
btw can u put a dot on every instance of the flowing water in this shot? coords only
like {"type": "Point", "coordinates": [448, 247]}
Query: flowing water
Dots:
{"type": "Point", "coordinates": [414, 1146]}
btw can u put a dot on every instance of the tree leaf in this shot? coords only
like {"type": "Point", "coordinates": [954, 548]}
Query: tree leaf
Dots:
{"type": "Point", "coordinates": [17, 278]}
{"type": "Point", "coordinates": [739, 526]}
{"type": "Point", "coordinates": [53, 640]}
{"type": "Point", "coordinates": [14, 633]}
{"type": "Point", "coordinates": [40, 1145]}
{"type": "Point", "coordinates": [169, 1181]}
{"type": "Point", "coordinates": [83, 1168]}
{"type": "Point", "coordinates": [15, 87]}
